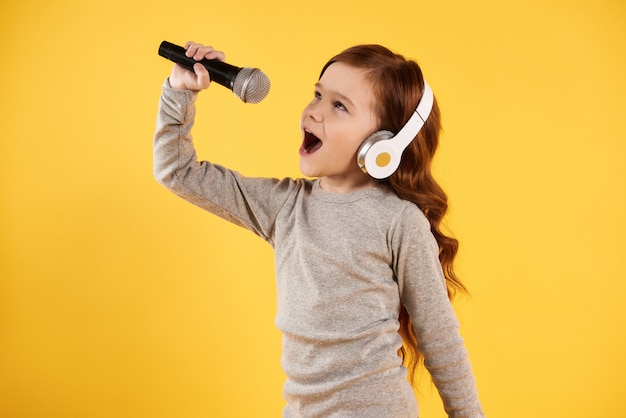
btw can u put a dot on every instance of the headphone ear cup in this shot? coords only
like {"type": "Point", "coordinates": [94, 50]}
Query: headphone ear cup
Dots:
{"type": "Point", "coordinates": [367, 144]}
{"type": "Point", "coordinates": [380, 153]}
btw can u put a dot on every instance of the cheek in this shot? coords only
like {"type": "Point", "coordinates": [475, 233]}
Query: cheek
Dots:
{"type": "Point", "coordinates": [351, 143]}
{"type": "Point", "coordinates": [360, 134]}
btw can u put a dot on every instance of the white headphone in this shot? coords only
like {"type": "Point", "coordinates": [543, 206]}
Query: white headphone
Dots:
{"type": "Point", "coordinates": [379, 155]}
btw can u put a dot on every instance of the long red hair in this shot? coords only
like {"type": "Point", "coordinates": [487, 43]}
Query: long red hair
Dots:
{"type": "Point", "coordinates": [398, 84]}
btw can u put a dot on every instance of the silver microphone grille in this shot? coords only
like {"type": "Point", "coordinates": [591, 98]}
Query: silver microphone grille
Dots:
{"type": "Point", "coordinates": [251, 85]}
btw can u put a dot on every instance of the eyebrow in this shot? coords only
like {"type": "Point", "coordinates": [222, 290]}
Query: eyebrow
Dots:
{"type": "Point", "coordinates": [336, 93]}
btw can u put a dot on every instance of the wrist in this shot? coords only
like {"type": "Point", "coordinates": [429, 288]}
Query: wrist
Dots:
{"type": "Point", "coordinates": [175, 84]}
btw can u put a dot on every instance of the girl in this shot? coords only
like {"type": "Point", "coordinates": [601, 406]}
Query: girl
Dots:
{"type": "Point", "coordinates": [362, 265]}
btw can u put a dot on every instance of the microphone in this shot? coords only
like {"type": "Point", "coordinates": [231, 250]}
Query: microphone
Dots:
{"type": "Point", "coordinates": [251, 85]}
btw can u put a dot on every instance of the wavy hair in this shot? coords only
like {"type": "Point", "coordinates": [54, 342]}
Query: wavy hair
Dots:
{"type": "Point", "coordinates": [398, 85]}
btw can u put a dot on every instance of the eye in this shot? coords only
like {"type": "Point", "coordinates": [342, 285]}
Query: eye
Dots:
{"type": "Point", "coordinates": [318, 95]}
{"type": "Point", "coordinates": [340, 106]}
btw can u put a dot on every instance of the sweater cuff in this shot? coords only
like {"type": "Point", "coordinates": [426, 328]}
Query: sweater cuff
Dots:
{"type": "Point", "coordinates": [187, 94]}
{"type": "Point", "coordinates": [178, 104]}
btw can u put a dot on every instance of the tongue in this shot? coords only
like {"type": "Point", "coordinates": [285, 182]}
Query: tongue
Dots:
{"type": "Point", "coordinates": [314, 146]}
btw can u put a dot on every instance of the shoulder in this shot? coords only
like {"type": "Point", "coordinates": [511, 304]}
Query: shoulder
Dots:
{"type": "Point", "coordinates": [402, 219]}
{"type": "Point", "coordinates": [405, 214]}
{"type": "Point", "coordinates": [411, 229]}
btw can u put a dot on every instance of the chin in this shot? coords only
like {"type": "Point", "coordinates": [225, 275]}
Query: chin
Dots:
{"type": "Point", "coordinates": [308, 171]}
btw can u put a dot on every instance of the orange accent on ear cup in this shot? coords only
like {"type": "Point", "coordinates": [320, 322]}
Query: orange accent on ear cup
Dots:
{"type": "Point", "coordinates": [383, 159]}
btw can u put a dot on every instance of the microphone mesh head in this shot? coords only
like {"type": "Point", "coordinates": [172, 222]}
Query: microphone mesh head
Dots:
{"type": "Point", "coordinates": [251, 85]}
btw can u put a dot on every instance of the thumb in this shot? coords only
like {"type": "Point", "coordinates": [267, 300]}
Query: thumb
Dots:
{"type": "Point", "coordinates": [204, 79]}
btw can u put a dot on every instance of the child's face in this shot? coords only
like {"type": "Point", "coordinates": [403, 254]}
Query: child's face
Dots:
{"type": "Point", "coordinates": [334, 124]}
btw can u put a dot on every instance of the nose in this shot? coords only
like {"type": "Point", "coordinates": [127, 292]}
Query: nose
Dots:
{"type": "Point", "coordinates": [313, 111]}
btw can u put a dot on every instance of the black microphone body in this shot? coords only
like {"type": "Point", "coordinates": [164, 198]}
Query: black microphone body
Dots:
{"type": "Point", "coordinates": [249, 84]}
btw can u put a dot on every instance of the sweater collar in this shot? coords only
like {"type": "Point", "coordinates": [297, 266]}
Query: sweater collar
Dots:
{"type": "Point", "coordinates": [321, 194]}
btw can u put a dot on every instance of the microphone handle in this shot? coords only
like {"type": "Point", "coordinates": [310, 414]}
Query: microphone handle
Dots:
{"type": "Point", "coordinates": [220, 72]}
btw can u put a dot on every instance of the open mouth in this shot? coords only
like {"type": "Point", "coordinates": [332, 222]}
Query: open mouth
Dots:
{"type": "Point", "coordinates": [311, 143]}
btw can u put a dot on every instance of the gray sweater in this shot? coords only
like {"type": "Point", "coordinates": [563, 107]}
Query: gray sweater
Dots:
{"type": "Point", "coordinates": [344, 265]}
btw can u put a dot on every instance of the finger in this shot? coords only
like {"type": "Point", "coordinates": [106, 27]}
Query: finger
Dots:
{"type": "Point", "coordinates": [198, 52]}
{"type": "Point", "coordinates": [191, 48]}
{"type": "Point", "coordinates": [192, 45]}
{"type": "Point", "coordinates": [203, 78]}
{"type": "Point", "coordinates": [203, 52]}
{"type": "Point", "coordinates": [218, 55]}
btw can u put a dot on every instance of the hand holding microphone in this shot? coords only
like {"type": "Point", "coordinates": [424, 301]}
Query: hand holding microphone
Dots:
{"type": "Point", "coordinates": [184, 76]}
{"type": "Point", "coordinates": [251, 85]}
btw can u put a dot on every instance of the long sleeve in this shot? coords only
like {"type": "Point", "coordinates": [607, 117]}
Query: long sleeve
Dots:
{"type": "Point", "coordinates": [423, 292]}
{"type": "Point", "coordinates": [248, 202]}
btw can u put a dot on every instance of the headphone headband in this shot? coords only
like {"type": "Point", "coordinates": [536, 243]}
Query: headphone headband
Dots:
{"type": "Point", "coordinates": [417, 119]}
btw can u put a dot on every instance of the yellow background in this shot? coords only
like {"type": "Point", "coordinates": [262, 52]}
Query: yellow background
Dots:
{"type": "Point", "coordinates": [118, 299]}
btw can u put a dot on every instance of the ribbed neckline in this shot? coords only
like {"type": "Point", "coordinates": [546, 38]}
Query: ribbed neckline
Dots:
{"type": "Point", "coordinates": [331, 197]}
